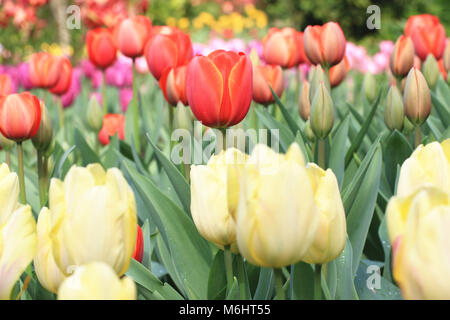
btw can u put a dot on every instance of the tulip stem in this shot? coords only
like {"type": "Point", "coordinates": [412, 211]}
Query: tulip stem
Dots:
{"type": "Point", "coordinates": [61, 114]}
{"type": "Point", "coordinates": [418, 136]}
{"type": "Point", "coordinates": [104, 100]}
{"type": "Point", "coordinates": [170, 128]}
{"type": "Point", "coordinates": [223, 132]}
{"type": "Point", "coordinates": [135, 110]}
{"type": "Point", "coordinates": [228, 258]}
{"type": "Point", "coordinates": [42, 177]}
{"type": "Point", "coordinates": [321, 153]}
{"type": "Point", "coordinates": [318, 282]}
{"type": "Point", "coordinates": [278, 273]}
{"type": "Point", "coordinates": [8, 158]}
{"type": "Point", "coordinates": [23, 196]}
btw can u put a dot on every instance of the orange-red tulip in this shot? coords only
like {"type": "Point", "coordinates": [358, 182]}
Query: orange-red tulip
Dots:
{"type": "Point", "coordinates": [338, 72]}
{"type": "Point", "coordinates": [132, 34]}
{"type": "Point", "coordinates": [427, 34]}
{"type": "Point", "coordinates": [219, 87]}
{"type": "Point", "coordinates": [263, 76]}
{"type": "Point", "coordinates": [20, 116]}
{"type": "Point", "coordinates": [65, 77]}
{"type": "Point", "coordinates": [173, 85]}
{"type": "Point", "coordinates": [138, 252]}
{"type": "Point", "coordinates": [325, 44]}
{"type": "Point", "coordinates": [5, 85]}
{"type": "Point", "coordinates": [402, 56]}
{"type": "Point", "coordinates": [44, 70]}
{"type": "Point", "coordinates": [101, 49]}
{"type": "Point", "coordinates": [112, 124]}
{"type": "Point", "coordinates": [167, 49]}
{"type": "Point", "coordinates": [284, 47]}
{"type": "Point", "coordinates": [442, 69]}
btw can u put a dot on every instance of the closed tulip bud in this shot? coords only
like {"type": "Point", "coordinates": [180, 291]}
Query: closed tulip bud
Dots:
{"type": "Point", "coordinates": [283, 47]}
{"type": "Point", "coordinates": [304, 105]}
{"type": "Point", "coordinates": [138, 252]}
{"type": "Point", "coordinates": [416, 97]}
{"type": "Point", "coordinates": [308, 131]}
{"type": "Point", "coordinates": [183, 117]}
{"type": "Point", "coordinates": [97, 281]}
{"type": "Point", "coordinates": [112, 124]}
{"type": "Point", "coordinates": [94, 114]}
{"type": "Point", "coordinates": [213, 209]}
{"type": "Point", "coordinates": [43, 138]}
{"type": "Point", "coordinates": [166, 50]}
{"type": "Point", "coordinates": [338, 72]}
{"type": "Point", "coordinates": [322, 113]}
{"type": "Point", "coordinates": [421, 259]}
{"type": "Point", "coordinates": [446, 57]}
{"type": "Point", "coordinates": [173, 85]}
{"type": "Point", "coordinates": [277, 217]}
{"type": "Point", "coordinates": [131, 35]}
{"type": "Point", "coordinates": [219, 88]}
{"type": "Point", "coordinates": [44, 70]}
{"type": "Point", "coordinates": [402, 56]}
{"type": "Point", "coordinates": [318, 77]}
{"type": "Point", "coordinates": [100, 46]}
{"type": "Point", "coordinates": [65, 77]}
{"type": "Point", "coordinates": [394, 114]}
{"type": "Point", "coordinates": [370, 87]}
{"type": "Point", "coordinates": [263, 77]}
{"type": "Point", "coordinates": [20, 116]}
{"type": "Point", "coordinates": [17, 233]}
{"type": "Point", "coordinates": [431, 71]}
{"type": "Point", "coordinates": [325, 44]}
{"type": "Point", "coordinates": [93, 215]}
{"type": "Point", "coordinates": [332, 231]}
{"type": "Point", "coordinates": [6, 86]}
{"type": "Point", "coordinates": [5, 143]}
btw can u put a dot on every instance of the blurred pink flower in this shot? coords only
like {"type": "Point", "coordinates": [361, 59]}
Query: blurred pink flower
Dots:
{"type": "Point", "coordinates": [125, 96]}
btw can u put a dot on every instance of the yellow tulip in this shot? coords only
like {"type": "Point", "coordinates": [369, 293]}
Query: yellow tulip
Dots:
{"type": "Point", "coordinates": [214, 198]}
{"type": "Point", "coordinates": [421, 255]}
{"type": "Point", "coordinates": [428, 166]}
{"type": "Point", "coordinates": [332, 231]}
{"type": "Point", "coordinates": [17, 233]}
{"type": "Point", "coordinates": [93, 218]}
{"type": "Point", "coordinates": [277, 217]}
{"type": "Point", "coordinates": [96, 281]}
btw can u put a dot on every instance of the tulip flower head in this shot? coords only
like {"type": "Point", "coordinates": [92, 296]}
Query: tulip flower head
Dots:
{"type": "Point", "coordinates": [131, 35]}
{"type": "Point", "coordinates": [402, 57]}
{"type": "Point", "coordinates": [43, 138]}
{"type": "Point", "coordinates": [173, 85]}
{"type": "Point", "coordinates": [322, 112]}
{"type": "Point", "coordinates": [338, 72]}
{"type": "Point", "coordinates": [284, 47]}
{"type": "Point", "coordinates": [416, 97]}
{"type": "Point", "coordinates": [44, 70]}
{"type": "Point", "coordinates": [304, 105]}
{"type": "Point", "coordinates": [65, 77]}
{"type": "Point", "coordinates": [112, 124]}
{"type": "Point", "coordinates": [6, 86]}
{"type": "Point", "coordinates": [219, 88]}
{"type": "Point", "coordinates": [394, 114]}
{"type": "Point", "coordinates": [101, 49]}
{"type": "Point", "coordinates": [263, 77]}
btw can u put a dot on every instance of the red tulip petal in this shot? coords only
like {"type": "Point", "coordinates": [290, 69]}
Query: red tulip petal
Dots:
{"type": "Point", "coordinates": [240, 84]}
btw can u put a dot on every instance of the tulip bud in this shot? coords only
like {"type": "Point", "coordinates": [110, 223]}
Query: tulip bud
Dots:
{"type": "Point", "coordinates": [43, 138]}
{"type": "Point", "coordinates": [318, 77]}
{"type": "Point", "coordinates": [131, 35]}
{"type": "Point", "coordinates": [112, 124]}
{"type": "Point", "coordinates": [322, 113]}
{"type": "Point", "coordinates": [416, 97]}
{"type": "Point", "coordinates": [5, 143]}
{"type": "Point", "coordinates": [138, 252]}
{"type": "Point", "coordinates": [308, 131]}
{"type": "Point", "coordinates": [100, 45]}
{"type": "Point", "coordinates": [304, 105]}
{"type": "Point", "coordinates": [183, 117]}
{"type": "Point", "coordinates": [402, 56]}
{"type": "Point", "coordinates": [370, 87]}
{"type": "Point", "coordinates": [94, 114]}
{"type": "Point", "coordinates": [431, 71]}
{"type": "Point", "coordinates": [338, 72]}
{"type": "Point", "coordinates": [283, 47]}
{"type": "Point", "coordinates": [265, 77]}
{"type": "Point", "coordinates": [446, 57]}
{"type": "Point", "coordinates": [393, 113]}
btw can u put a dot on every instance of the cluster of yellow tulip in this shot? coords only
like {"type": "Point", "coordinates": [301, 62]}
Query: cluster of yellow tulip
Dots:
{"type": "Point", "coordinates": [418, 219]}
{"type": "Point", "coordinates": [81, 244]}
{"type": "Point", "coordinates": [274, 209]}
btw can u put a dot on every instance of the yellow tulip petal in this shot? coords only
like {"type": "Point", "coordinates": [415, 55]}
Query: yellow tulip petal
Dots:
{"type": "Point", "coordinates": [9, 192]}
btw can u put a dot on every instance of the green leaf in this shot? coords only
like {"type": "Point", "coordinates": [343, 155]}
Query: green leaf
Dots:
{"type": "Point", "coordinates": [265, 286]}
{"type": "Point", "coordinates": [336, 159]}
{"type": "Point", "coordinates": [442, 109]}
{"type": "Point", "coordinates": [234, 291]}
{"type": "Point", "coordinates": [306, 151]}
{"type": "Point", "coordinates": [110, 159]}
{"type": "Point", "coordinates": [302, 281]}
{"type": "Point", "coordinates": [290, 121]}
{"type": "Point", "coordinates": [217, 284]}
{"type": "Point", "coordinates": [386, 244]}
{"type": "Point", "coordinates": [285, 135]}
{"type": "Point", "coordinates": [87, 154]}
{"type": "Point", "coordinates": [396, 151]}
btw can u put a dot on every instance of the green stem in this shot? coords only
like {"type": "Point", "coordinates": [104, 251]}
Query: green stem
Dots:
{"type": "Point", "coordinates": [40, 167]}
{"type": "Point", "coordinates": [321, 153]}
{"type": "Point", "coordinates": [104, 100]}
{"type": "Point", "coordinates": [23, 196]}
{"type": "Point", "coordinates": [61, 113]}
{"type": "Point", "coordinates": [279, 283]}
{"type": "Point", "coordinates": [241, 268]}
{"type": "Point", "coordinates": [135, 110]}
{"type": "Point", "coordinates": [228, 266]}
{"type": "Point", "coordinates": [223, 131]}
{"type": "Point", "coordinates": [171, 112]}
{"type": "Point", "coordinates": [418, 136]}
{"type": "Point", "coordinates": [8, 158]}
{"type": "Point", "coordinates": [318, 282]}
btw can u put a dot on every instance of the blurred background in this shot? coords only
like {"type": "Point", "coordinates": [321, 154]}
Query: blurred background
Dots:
{"type": "Point", "coordinates": [33, 25]}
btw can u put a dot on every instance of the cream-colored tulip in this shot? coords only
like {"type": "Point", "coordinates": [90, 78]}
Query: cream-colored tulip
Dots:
{"type": "Point", "coordinates": [47, 271]}
{"type": "Point", "coordinates": [332, 231]}
{"type": "Point", "coordinates": [214, 197]}
{"type": "Point", "coordinates": [428, 166]}
{"type": "Point", "coordinates": [17, 233]}
{"type": "Point", "coordinates": [277, 217]}
{"type": "Point", "coordinates": [93, 218]}
{"type": "Point", "coordinates": [96, 281]}
{"type": "Point", "coordinates": [421, 255]}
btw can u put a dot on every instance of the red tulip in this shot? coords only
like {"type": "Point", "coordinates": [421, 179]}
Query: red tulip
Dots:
{"type": "Point", "coordinates": [20, 116]}
{"type": "Point", "coordinates": [44, 70]}
{"type": "Point", "coordinates": [442, 69]}
{"type": "Point", "coordinates": [173, 85]}
{"type": "Point", "coordinates": [100, 46]}
{"type": "Point", "coordinates": [263, 76]}
{"type": "Point", "coordinates": [402, 56]}
{"type": "Point", "coordinates": [65, 77]}
{"type": "Point", "coordinates": [167, 49]}
{"type": "Point", "coordinates": [325, 44]}
{"type": "Point", "coordinates": [427, 34]}
{"type": "Point", "coordinates": [338, 72]}
{"type": "Point", "coordinates": [284, 47]}
{"type": "Point", "coordinates": [5, 85]}
{"type": "Point", "coordinates": [138, 252]}
{"type": "Point", "coordinates": [112, 124]}
{"type": "Point", "coordinates": [219, 87]}
{"type": "Point", "coordinates": [132, 34]}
